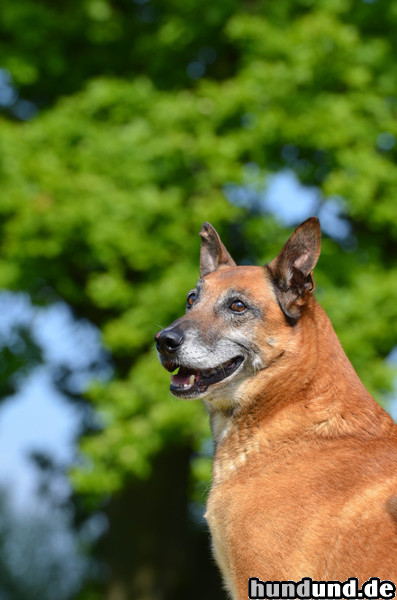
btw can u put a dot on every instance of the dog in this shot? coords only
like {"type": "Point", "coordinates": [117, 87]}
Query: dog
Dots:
{"type": "Point", "coordinates": [305, 461]}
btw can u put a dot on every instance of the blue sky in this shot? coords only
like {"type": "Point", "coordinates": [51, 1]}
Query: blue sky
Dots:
{"type": "Point", "coordinates": [39, 417]}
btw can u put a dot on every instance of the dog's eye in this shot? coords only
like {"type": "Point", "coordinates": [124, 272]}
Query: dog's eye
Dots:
{"type": "Point", "coordinates": [190, 299]}
{"type": "Point", "coordinates": [238, 306]}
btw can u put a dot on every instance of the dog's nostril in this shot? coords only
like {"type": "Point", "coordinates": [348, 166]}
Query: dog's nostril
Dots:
{"type": "Point", "coordinates": [169, 341]}
{"type": "Point", "coordinates": [173, 340]}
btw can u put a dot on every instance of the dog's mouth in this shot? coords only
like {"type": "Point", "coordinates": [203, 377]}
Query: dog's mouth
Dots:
{"type": "Point", "coordinates": [190, 382]}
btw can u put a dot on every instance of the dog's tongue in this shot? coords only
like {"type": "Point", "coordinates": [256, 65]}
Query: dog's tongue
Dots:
{"type": "Point", "coordinates": [183, 377]}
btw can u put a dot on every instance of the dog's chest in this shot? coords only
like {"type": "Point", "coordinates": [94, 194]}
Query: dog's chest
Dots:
{"type": "Point", "coordinates": [228, 507]}
{"type": "Point", "coordinates": [252, 516]}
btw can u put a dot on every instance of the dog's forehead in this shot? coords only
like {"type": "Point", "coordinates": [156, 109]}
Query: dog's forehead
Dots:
{"type": "Point", "coordinates": [249, 280]}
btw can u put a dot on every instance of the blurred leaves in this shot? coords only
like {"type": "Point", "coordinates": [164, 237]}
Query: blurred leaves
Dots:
{"type": "Point", "coordinates": [19, 354]}
{"type": "Point", "coordinates": [112, 37]}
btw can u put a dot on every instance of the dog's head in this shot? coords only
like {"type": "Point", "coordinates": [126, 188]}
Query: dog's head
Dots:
{"type": "Point", "coordinates": [240, 320]}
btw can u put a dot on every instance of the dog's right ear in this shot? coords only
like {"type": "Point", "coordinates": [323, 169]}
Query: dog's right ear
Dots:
{"type": "Point", "coordinates": [293, 267]}
{"type": "Point", "coordinates": [213, 253]}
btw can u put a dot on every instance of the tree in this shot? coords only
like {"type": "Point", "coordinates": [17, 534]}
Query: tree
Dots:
{"type": "Point", "coordinates": [103, 195]}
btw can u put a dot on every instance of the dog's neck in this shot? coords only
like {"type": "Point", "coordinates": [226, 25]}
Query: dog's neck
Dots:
{"type": "Point", "coordinates": [313, 394]}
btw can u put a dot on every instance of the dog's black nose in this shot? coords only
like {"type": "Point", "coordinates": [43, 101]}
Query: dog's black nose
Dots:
{"type": "Point", "coordinates": [169, 340]}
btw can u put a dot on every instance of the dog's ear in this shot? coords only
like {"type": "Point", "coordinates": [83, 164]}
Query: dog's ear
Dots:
{"type": "Point", "coordinates": [213, 253]}
{"type": "Point", "coordinates": [292, 268]}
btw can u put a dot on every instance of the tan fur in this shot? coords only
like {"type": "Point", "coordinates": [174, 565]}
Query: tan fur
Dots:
{"type": "Point", "coordinates": [304, 472]}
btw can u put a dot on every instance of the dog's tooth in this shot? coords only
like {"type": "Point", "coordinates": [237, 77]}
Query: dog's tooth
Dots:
{"type": "Point", "coordinates": [191, 380]}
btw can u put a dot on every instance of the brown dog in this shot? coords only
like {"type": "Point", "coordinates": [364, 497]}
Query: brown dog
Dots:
{"type": "Point", "coordinates": [305, 465]}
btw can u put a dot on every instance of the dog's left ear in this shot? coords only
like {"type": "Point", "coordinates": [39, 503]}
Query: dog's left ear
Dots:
{"type": "Point", "coordinates": [293, 267]}
{"type": "Point", "coordinates": [213, 253]}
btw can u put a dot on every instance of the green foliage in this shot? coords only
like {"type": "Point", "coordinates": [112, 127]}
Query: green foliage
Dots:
{"type": "Point", "coordinates": [103, 195]}
{"type": "Point", "coordinates": [52, 49]}
{"type": "Point", "coordinates": [99, 218]}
